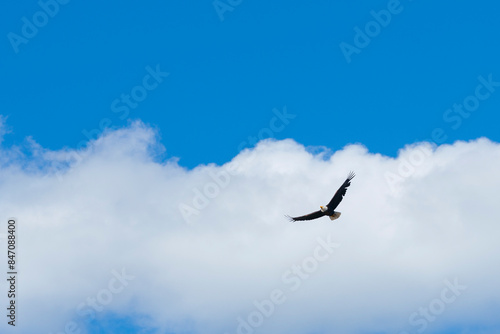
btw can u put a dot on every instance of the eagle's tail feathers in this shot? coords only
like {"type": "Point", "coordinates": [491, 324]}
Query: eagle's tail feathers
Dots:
{"type": "Point", "coordinates": [336, 215]}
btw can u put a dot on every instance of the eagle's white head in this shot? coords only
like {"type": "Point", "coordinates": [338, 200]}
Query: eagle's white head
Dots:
{"type": "Point", "coordinates": [323, 208]}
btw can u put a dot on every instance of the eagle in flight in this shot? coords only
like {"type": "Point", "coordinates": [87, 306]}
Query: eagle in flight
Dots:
{"type": "Point", "coordinates": [328, 210]}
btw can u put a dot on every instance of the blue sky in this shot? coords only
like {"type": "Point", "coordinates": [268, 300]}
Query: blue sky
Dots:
{"type": "Point", "coordinates": [226, 76]}
{"type": "Point", "coordinates": [208, 79]}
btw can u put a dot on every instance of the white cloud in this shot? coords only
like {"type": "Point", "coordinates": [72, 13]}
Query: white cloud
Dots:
{"type": "Point", "coordinates": [115, 206]}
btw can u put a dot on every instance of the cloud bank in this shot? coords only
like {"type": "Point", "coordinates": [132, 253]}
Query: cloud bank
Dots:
{"type": "Point", "coordinates": [113, 232]}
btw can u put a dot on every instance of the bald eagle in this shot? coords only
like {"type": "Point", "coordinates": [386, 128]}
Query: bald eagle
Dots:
{"type": "Point", "coordinates": [328, 210]}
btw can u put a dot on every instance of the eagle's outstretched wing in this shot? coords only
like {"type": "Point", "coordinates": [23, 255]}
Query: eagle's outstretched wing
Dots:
{"type": "Point", "coordinates": [310, 216]}
{"type": "Point", "coordinates": [337, 198]}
